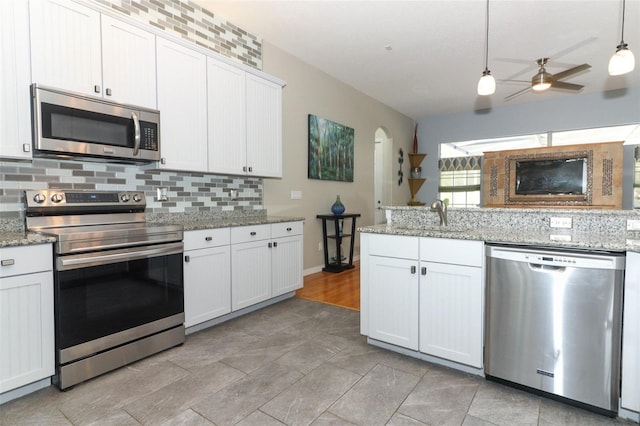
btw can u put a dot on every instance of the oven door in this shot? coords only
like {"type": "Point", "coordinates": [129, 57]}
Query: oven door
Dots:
{"type": "Point", "coordinates": [108, 298]}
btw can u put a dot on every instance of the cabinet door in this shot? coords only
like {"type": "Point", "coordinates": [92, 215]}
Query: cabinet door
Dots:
{"type": "Point", "coordinates": [251, 274]}
{"type": "Point", "coordinates": [15, 113]}
{"type": "Point", "coordinates": [65, 46]}
{"type": "Point", "coordinates": [286, 264]}
{"type": "Point", "coordinates": [264, 127]}
{"type": "Point", "coordinates": [26, 329]}
{"type": "Point", "coordinates": [630, 392]}
{"type": "Point", "coordinates": [182, 101]}
{"type": "Point", "coordinates": [128, 63]}
{"type": "Point", "coordinates": [207, 284]}
{"type": "Point", "coordinates": [451, 323]}
{"type": "Point", "coordinates": [226, 118]}
{"type": "Point", "coordinates": [393, 301]}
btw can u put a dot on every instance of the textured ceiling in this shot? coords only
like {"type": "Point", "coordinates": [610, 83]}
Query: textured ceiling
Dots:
{"type": "Point", "coordinates": [425, 57]}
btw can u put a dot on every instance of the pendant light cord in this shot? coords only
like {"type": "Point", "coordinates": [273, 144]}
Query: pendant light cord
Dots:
{"type": "Point", "coordinates": [623, 12]}
{"type": "Point", "coordinates": [486, 53]}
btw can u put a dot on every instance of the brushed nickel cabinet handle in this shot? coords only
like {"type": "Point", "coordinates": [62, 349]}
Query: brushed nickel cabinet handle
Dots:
{"type": "Point", "coordinates": [252, 233]}
{"type": "Point", "coordinates": [423, 271]}
{"type": "Point", "coordinates": [187, 259]}
{"type": "Point", "coordinates": [413, 269]}
{"type": "Point", "coordinates": [8, 262]}
{"type": "Point", "coordinates": [208, 238]}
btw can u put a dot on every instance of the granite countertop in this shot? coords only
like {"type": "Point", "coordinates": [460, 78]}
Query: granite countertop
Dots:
{"type": "Point", "coordinates": [194, 225]}
{"type": "Point", "coordinates": [14, 238]}
{"type": "Point", "coordinates": [629, 240]}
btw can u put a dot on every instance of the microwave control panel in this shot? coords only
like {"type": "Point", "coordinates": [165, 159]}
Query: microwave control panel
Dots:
{"type": "Point", "coordinates": [148, 136]}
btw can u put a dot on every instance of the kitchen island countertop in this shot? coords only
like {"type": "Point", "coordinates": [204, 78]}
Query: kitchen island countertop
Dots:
{"type": "Point", "coordinates": [624, 241]}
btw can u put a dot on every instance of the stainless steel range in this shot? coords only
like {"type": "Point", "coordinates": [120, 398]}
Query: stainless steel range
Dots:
{"type": "Point", "coordinates": [119, 290]}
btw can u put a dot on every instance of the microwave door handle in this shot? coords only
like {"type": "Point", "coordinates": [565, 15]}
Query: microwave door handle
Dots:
{"type": "Point", "coordinates": [136, 133]}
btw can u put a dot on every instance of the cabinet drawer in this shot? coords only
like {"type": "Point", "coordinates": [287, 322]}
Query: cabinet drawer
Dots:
{"type": "Point", "coordinates": [456, 252]}
{"type": "Point", "coordinates": [243, 234]}
{"type": "Point", "coordinates": [397, 246]}
{"type": "Point", "coordinates": [206, 238]}
{"type": "Point", "coordinates": [26, 259]}
{"type": "Point", "coordinates": [285, 229]}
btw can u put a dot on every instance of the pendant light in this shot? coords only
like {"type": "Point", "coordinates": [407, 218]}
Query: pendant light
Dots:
{"type": "Point", "coordinates": [622, 61]}
{"type": "Point", "coordinates": [487, 84]}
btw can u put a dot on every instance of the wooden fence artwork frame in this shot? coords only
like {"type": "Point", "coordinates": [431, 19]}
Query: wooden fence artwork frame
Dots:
{"type": "Point", "coordinates": [330, 150]}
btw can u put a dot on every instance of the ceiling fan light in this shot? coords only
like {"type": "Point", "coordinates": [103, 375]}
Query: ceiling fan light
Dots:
{"type": "Point", "coordinates": [622, 61]}
{"type": "Point", "coordinates": [486, 84]}
{"type": "Point", "coordinates": [541, 81]}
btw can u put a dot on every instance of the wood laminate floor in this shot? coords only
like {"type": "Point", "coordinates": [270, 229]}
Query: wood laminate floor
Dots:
{"type": "Point", "coordinates": [337, 289]}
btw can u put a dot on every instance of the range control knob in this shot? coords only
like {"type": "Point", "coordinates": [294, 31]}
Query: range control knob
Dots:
{"type": "Point", "coordinates": [124, 198]}
{"type": "Point", "coordinates": [56, 198]}
{"type": "Point", "coordinates": [137, 198]}
{"type": "Point", "coordinates": [39, 198]}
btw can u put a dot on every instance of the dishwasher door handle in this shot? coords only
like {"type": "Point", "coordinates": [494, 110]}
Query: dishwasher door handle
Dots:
{"type": "Point", "coordinates": [542, 268]}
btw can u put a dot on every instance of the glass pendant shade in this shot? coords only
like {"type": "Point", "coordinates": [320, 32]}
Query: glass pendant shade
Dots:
{"type": "Point", "coordinates": [486, 84]}
{"type": "Point", "coordinates": [622, 61]}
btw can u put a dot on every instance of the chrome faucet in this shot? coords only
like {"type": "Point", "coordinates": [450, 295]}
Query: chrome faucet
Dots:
{"type": "Point", "coordinates": [441, 208]}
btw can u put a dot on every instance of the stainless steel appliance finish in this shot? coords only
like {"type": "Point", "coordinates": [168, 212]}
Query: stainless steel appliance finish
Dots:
{"type": "Point", "coordinates": [70, 125]}
{"type": "Point", "coordinates": [119, 291]}
{"type": "Point", "coordinates": [553, 322]}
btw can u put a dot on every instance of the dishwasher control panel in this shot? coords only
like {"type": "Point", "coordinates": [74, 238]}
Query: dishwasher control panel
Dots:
{"type": "Point", "coordinates": [552, 258]}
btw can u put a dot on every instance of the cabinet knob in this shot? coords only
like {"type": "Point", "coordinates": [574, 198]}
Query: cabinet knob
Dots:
{"type": "Point", "coordinates": [288, 229]}
{"type": "Point", "coordinates": [252, 233]}
{"type": "Point", "coordinates": [187, 259]}
{"type": "Point", "coordinates": [269, 245]}
{"type": "Point", "coordinates": [413, 269]}
{"type": "Point", "coordinates": [96, 88]}
{"type": "Point", "coordinates": [275, 244]}
{"type": "Point", "coordinates": [423, 270]}
{"type": "Point", "coordinates": [163, 160]}
{"type": "Point", "coordinates": [208, 238]}
{"type": "Point", "coordinates": [108, 92]}
{"type": "Point", "coordinates": [26, 147]}
{"type": "Point", "coordinates": [244, 168]}
{"type": "Point", "coordinates": [7, 262]}
{"type": "Point", "coordinates": [250, 169]}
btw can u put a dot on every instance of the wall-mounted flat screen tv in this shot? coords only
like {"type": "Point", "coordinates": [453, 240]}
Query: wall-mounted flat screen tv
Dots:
{"type": "Point", "coordinates": [551, 177]}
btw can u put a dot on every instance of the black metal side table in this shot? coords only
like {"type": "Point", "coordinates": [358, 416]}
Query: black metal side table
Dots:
{"type": "Point", "coordinates": [336, 265]}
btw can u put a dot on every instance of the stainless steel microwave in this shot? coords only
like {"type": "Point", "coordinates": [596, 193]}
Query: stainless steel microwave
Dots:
{"type": "Point", "coordinates": [72, 125]}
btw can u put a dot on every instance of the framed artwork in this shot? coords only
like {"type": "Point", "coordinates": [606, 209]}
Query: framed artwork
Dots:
{"type": "Point", "coordinates": [330, 150]}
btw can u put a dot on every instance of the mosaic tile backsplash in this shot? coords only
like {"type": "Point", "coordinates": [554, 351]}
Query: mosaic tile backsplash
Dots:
{"type": "Point", "coordinates": [189, 21]}
{"type": "Point", "coordinates": [187, 192]}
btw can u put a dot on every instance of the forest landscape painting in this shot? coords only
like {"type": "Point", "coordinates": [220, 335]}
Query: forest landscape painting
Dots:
{"type": "Point", "coordinates": [330, 150]}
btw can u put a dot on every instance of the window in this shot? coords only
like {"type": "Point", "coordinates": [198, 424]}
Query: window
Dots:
{"type": "Point", "coordinates": [460, 162]}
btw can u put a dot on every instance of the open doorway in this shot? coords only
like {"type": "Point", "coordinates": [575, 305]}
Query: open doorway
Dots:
{"type": "Point", "coordinates": [382, 173]}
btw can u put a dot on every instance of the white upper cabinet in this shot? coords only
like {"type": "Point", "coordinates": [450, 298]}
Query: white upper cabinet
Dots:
{"type": "Point", "coordinates": [182, 101]}
{"type": "Point", "coordinates": [264, 127]}
{"type": "Point", "coordinates": [69, 52]}
{"type": "Point", "coordinates": [65, 46]}
{"type": "Point", "coordinates": [15, 77]}
{"type": "Point", "coordinates": [227, 119]}
{"type": "Point", "coordinates": [129, 63]}
{"type": "Point", "coordinates": [245, 122]}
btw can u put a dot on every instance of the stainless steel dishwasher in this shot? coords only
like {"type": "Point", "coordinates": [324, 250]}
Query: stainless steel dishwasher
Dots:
{"type": "Point", "coordinates": [553, 322]}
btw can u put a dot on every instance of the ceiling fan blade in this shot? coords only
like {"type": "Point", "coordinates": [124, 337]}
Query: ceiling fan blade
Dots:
{"type": "Point", "coordinates": [516, 94]}
{"type": "Point", "coordinates": [514, 82]}
{"type": "Point", "coordinates": [563, 74]}
{"type": "Point", "coordinates": [566, 86]}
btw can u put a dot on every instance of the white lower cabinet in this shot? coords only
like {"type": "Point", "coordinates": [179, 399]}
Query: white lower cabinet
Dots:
{"type": "Point", "coordinates": [26, 316]}
{"type": "Point", "coordinates": [265, 262]}
{"type": "Point", "coordinates": [424, 294]}
{"type": "Point", "coordinates": [207, 275]}
{"type": "Point", "coordinates": [630, 392]}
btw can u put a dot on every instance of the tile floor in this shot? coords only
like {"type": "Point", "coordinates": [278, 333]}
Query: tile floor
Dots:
{"type": "Point", "coordinates": [297, 362]}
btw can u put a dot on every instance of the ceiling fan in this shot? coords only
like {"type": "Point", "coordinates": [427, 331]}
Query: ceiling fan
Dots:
{"type": "Point", "coordinates": [544, 80]}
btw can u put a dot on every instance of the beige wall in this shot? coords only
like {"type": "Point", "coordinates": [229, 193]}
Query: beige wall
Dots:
{"type": "Point", "coordinates": [310, 91]}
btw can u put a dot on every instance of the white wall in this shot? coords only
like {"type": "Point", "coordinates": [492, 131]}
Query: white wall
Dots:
{"type": "Point", "coordinates": [310, 91]}
{"type": "Point", "coordinates": [568, 112]}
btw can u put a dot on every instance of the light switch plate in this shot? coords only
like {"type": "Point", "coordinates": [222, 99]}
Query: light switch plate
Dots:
{"type": "Point", "coordinates": [633, 225]}
{"type": "Point", "coordinates": [296, 195]}
{"type": "Point", "coordinates": [560, 222]}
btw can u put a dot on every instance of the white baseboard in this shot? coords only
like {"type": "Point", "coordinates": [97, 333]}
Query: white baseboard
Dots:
{"type": "Point", "coordinates": [316, 269]}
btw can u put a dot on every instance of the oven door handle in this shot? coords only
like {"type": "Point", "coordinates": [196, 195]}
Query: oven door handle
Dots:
{"type": "Point", "coordinates": [85, 260]}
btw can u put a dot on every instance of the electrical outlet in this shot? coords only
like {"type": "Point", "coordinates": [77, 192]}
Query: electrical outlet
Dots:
{"type": "Point", "coordinates": [633, 225]}
{"type": "Point", "coordinates": [560, 222]}
{"type": "Point", "coordinates": [233, 194]}
{"type": "Point", "coordinates": [296, 195]}
{"type": "Point", "coordinates": [161, 194]}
